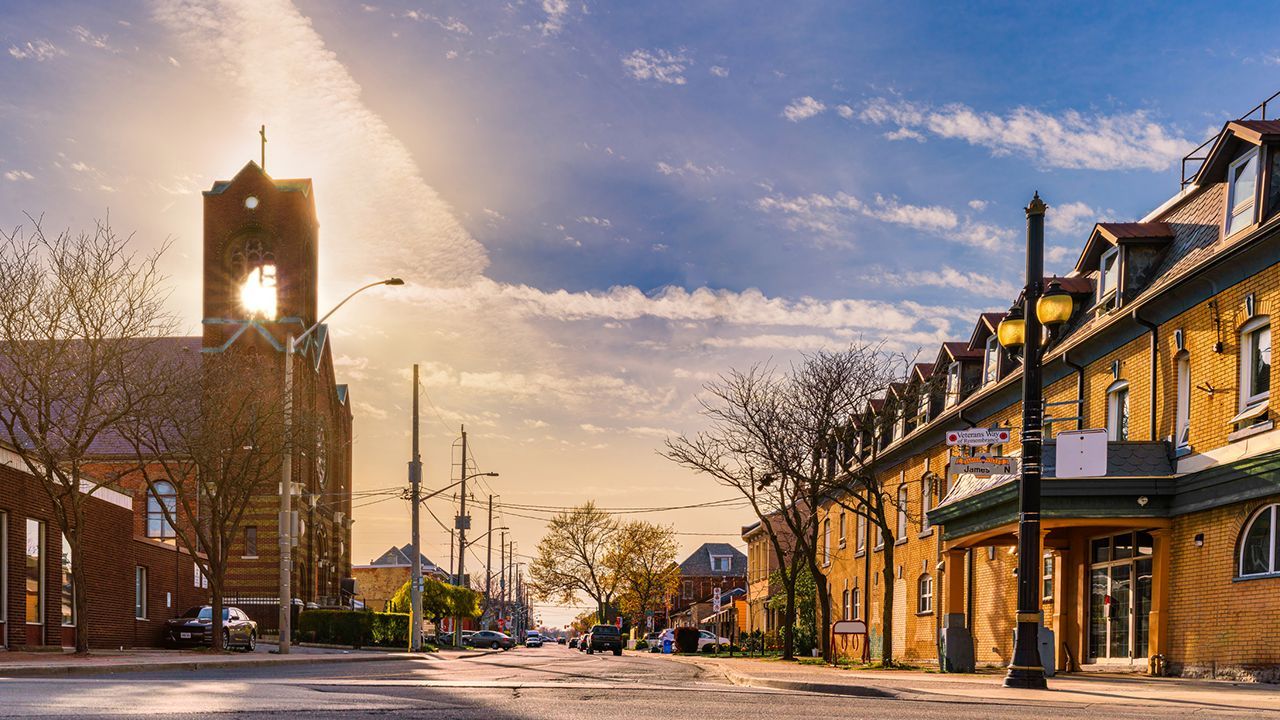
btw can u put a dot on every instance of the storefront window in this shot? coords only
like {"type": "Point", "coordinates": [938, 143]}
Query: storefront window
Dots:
{"type": "Point", "coordinates": [68, 588]}
{"type": "Point", "coordinates": [35, 571]}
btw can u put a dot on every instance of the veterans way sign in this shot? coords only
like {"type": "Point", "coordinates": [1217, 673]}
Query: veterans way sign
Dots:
{"type": "Point", "coordinates": [973, 437]}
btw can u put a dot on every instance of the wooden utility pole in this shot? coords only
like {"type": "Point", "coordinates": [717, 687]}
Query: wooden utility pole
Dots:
{"type": "Point", "coordinates": [461, 523]}
{"type": "Point", "coordinates": [415, 573]}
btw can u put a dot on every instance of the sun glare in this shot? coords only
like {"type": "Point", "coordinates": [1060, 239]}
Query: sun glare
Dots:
{"type": "Point", "coordinates": [258, 293]}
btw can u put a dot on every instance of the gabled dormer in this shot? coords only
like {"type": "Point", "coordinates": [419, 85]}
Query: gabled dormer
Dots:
{"type": "Point", "coordinates": [928, 394]}
{"type": "Point", "coordinates": [1245, 156]}
{"type": "Point", "coordinates": [1121, 259]}
{"type": "Point", "coordinates": [963, 369]}
{"type": "Point", "coordinates": [995, 364]}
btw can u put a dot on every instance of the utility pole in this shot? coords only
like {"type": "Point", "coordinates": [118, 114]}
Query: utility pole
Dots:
{"type": "Point", "coordinates": [286, 498]}
{"type": "Point", "coordinates": [415, 573]}
{"type": "Point", "coordinates": [520, 611]}
{"type": "Point", "coordinates": [488, 562]}
{"type": "Point", "coordinates": [502, 578]}
{"type": "Point", "coordinates": [461, 523]}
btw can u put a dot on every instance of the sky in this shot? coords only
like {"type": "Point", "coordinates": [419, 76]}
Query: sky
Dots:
{"type": "Point", "coordinates": [598, 206]}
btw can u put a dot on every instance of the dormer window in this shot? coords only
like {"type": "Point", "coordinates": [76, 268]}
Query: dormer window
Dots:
{"type": "Point", "coordinates": [991, 361]}
{"type": "Point", "coordinates": [1242, 182]}
{"type": "Point", "coordinates": [1108, 278]}
{"type": "Point", "coordinates": [953, 384]}
{"type": "Point", "coordinates": [721, 563]}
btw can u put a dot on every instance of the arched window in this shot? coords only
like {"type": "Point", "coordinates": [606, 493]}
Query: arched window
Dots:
{"type": "Point", "coordinates": [161, 497]}
{"type": "Point", "coordinates": [1118, 410]}
{"type": "Point", "coordinates": [924, 594]}
{"type": "Point", "coordinates": [1260, 544]}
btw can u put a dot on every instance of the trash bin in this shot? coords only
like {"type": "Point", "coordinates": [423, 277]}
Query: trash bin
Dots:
{"type": "Point", "coordinates": [666, 645]}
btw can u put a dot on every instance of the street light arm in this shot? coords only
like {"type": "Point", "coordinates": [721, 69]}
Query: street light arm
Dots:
{"type": "Point", "coordinates": [482, 536]}
{"type": "Point", "coordinates": [357, 291]}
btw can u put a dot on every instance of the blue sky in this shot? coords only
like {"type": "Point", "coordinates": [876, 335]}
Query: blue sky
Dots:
{"type": "Point", "coordinates": [600, 205]}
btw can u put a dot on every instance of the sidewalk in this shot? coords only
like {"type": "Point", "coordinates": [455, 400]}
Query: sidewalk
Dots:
{"type": "Point", "coordinates": [53, 664]}
{"type": "Point", "coordinates": [1074, 689]}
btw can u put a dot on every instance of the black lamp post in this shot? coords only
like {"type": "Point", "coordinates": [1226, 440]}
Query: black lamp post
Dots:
{"type": "Point", "coordinates": [1022, 328]}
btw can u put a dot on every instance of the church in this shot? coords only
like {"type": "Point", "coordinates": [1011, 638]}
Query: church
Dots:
{"type": "Point", "coordinates": [260, 287]}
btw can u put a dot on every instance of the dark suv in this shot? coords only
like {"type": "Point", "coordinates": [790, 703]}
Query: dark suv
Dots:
{"type": "Point", "coordinates": [606, 637]}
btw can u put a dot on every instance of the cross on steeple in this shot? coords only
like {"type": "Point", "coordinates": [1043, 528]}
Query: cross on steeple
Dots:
{"type": "Point", "coordinates": [263, 133]}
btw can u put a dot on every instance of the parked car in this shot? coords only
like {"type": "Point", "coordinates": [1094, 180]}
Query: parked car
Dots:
{"type": "Point", "coordinates": [654, 641]}
{"type": "Point", "coordinates": [606, 637]}
{"type": "Point", "coordinates": [584, 643]}
{"type": "Point", "coordinates": [562, 641]}
{"type": "Point", "coordinates": [490, 639]}
{"type": "Point", "coordinates": [706, 638]}
{"type": "Point", "coordinates": [195, 625]}
{"type": "Point", "coordinates": [573, 643]}
{"type": "Point", "coordinates": [533, 640]}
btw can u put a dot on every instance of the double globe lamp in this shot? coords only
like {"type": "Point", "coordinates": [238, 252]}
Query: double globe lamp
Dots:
{"type": "Point", "coordinates": [1053, 310]}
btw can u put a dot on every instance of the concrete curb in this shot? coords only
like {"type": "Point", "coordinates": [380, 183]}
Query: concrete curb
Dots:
{"type": "Point", "coordinates": [189, 665]}
{"type": "Point", "coordinates": [844, 689]}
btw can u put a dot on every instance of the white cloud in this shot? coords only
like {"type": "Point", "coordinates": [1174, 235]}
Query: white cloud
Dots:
{"type": "Point", "coordinates": [451, 24]}
{"type": "Point", "coordinates": [557, 11]}
{"type": "Point", "coordinates": [978, 283]}
{"type": "Point", "coordinates": [719, 71]}
{"type": "Point", "coordinates": [689, 168]}
{"type": "Point", "coordinates": [904, 133]}
{"type": "Point", "coordinates": [1122, 141]}
{"type": "Point", "coordinates": [18, 175]}
{"type": "Point", "coordinates": [1073, 218]}
{"type": "Point", "coordinates": [356, 368]}
{"type": "Point", "coordinates": [174, 61]}
{"type": "Point", "coordinates": [803, 109]}
{"type": "Point", "coordinates": [88, 38]}
{"type": "Point", "coordinates": [368, 410]}
{"type": "Point", "coordinates": [978, 205]}
{"type": "Point", "coordinates": [300, 89]}
{"type": "Point", "coordinates": [827, 216]}
{"type": "Point", "coordinates": [661, 66]}
{"type": "Point", "coordinates": [844, 111]}
{"type": "Point", "coordinates": [1055, 254]}
{"type": "Point", "coordinates": [593, 220]}
{"type": "Point", "coordinates": [39, 50]}
{"type": "Point", "coordinates": [592, 429]}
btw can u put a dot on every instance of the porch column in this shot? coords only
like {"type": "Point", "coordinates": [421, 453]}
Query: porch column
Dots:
{"type": "Point", "coordinates": [956, 640]}
{"type": "Point", "coordinates": [1158, 633]}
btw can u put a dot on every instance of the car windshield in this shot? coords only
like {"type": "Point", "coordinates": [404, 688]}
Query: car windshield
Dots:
{"type": "Point", "coordinates": [205, 613]}
{"type": "Point", "coordinates": [604, 630]}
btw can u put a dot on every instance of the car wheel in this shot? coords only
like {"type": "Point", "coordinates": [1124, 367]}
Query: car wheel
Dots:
{"type": "Point", "coordinates": [617, 651]}
{"type": "Point", "coordinates": [252, 645]}
{"type": "Point", "coordinates": [494, 645]}
{"type": "Point", "coordinates": [226, 639]}
{"type": "Point", "coordinates": [591, 651]}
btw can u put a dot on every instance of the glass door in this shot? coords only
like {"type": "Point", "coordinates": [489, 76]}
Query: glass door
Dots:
{"type": "Point", "coordinates": [1119, 596]}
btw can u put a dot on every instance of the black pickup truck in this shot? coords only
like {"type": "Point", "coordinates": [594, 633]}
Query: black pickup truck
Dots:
{"type": "Point", "coordinates": [606, 637]}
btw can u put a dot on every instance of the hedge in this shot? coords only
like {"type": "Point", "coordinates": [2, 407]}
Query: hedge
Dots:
{"type": "Point", "coordinates": [356, 628]}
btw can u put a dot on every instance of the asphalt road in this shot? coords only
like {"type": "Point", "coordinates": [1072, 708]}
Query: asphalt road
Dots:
{"type": "Point", "coordinates": [552, 682]}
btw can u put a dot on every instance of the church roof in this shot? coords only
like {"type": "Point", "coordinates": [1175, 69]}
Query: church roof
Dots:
{"type": "Point", "coordinates": [302, 185]}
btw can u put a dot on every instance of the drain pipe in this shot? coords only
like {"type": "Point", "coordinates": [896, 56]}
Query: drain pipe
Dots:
{"type": "Point", "coordinates": [1155, 340]}
{"type": "Point", "coordinates": [1066, 360]}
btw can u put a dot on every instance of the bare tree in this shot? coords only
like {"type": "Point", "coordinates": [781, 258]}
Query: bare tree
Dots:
{"type": "Point", "coordinates": [572, 558]}
{"type": "Point", "coordinates": [643, 557]}
{"type": "Point", "coordinates": [788, 425]}
{"type": "Point", "coordinates": [215, 434]}
{"type": "Point", "coordinates": [80, 319]}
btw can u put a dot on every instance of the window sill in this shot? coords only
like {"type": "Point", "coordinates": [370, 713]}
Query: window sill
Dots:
{"type": "Point", "coordinates": [250, 557]}
{"type": "Point", "coordinates": [925, 534]}
{"type": "Point", "coordinates": [923, 613]}
{"type": "Point", "coordinates": [1183, 451]}
{"type": "Point", "coordinates": [860, 553]}
{"type": "Point", "coordinates": [842, 545]}
{"type": "Point", "coordinates": [138, 619]}
{"type": "Point", "coordinates": [1262, 576]}
{"type": "Point", "coordinates": [900, 541]}
{"type": "Point", "coordinates": [877, 548]}
{"type": "Point", "coordinates": [1250, 431]}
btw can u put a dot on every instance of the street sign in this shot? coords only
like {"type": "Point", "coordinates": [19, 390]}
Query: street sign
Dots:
{"type": "Point", "coordinates": [982, 466]}
{"type": "Point", "coordinates": [715, 600]}
{"type": "Point", "coordinates": [973, 437]}
{"type": "Point", "coordinates": [618, 621]}
{"type": "Point", "coordinates": [1081, 453]}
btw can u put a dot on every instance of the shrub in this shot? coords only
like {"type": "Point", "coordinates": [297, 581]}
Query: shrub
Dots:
{"type": "Point", "coordinates": [389, 629]}
{"type": "Point", "coordinates": [335, 627]}
{"type": "Point", "coordinates": [686, 640]}
{"type": "Point", "coordinates": [642, 645]}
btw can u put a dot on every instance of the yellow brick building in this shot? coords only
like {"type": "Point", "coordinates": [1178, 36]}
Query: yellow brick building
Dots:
{"type": "Point", "coordinates": [1168, 563]}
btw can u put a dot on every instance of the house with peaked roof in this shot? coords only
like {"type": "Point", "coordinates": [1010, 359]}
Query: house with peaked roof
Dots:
{"type": "Point", "coordinates": [378, 581]}
{"type": "Point", "coordinates": [711, 566]}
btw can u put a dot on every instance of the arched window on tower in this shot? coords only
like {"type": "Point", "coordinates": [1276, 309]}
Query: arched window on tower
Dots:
{"type": "Point", "coordinates": [253, 265]}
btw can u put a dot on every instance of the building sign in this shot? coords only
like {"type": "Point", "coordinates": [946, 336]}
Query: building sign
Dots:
{"type": "Point", "coordinates": [1080, 454]}
{"type": "Point", "coordinates": [982, 466]}
{"type": "Point", "coordinates": [715, 600]}
{"type": "Point", "coordinates": [974, 437]}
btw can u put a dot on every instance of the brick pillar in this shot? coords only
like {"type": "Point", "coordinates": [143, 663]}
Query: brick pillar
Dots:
{"type": "Point", "coordinates": [1158, 637]}
{"type": "Point", "coordinates": [956, 640]}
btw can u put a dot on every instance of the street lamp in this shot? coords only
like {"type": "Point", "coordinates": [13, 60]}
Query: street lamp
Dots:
{"type": "Point", "coordinates": [286, 470]}
{"type": "Point", "coordinates": [1021, 329]}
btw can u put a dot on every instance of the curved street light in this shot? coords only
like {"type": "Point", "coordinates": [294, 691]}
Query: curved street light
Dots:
{"type": "Point", "coordinates": [286, 470]}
